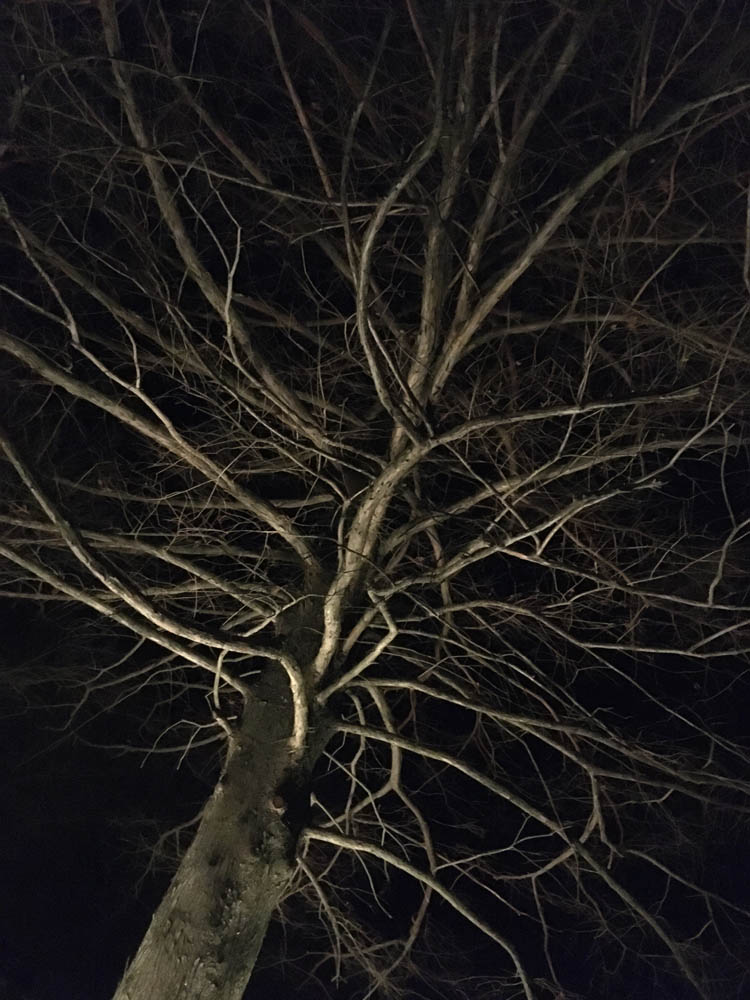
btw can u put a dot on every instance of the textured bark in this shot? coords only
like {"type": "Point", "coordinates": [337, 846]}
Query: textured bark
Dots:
{"type": "Point", "coordinates": [205, 936]}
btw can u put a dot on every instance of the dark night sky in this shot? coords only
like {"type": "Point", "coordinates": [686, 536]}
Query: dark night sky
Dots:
{"type": "Point", "coordinates": [76, 820]}
{"type": "Point", "coordinates": [74, 915]}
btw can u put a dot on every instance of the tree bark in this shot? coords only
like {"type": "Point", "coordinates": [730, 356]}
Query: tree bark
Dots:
{"type": "Point", "coordinates": [206, 934]}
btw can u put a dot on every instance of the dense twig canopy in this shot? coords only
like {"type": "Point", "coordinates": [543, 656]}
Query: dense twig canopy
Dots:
{"type": "Point", "coordinates": [405, 347]}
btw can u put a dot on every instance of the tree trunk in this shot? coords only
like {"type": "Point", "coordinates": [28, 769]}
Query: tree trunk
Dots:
{"type": "Point", "coordinates": [205, 936]}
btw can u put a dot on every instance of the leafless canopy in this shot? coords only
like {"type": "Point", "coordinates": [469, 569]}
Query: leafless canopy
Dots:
{"type": "Point", "coordinates": [404, 347]}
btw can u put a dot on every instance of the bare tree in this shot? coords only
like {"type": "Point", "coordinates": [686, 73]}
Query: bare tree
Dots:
{"type": "Point", "coordinates": [381, 370]}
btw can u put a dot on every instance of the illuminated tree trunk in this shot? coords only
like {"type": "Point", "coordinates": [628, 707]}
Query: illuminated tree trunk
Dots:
{"type": "Point", "coordinates": [205, 936]}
